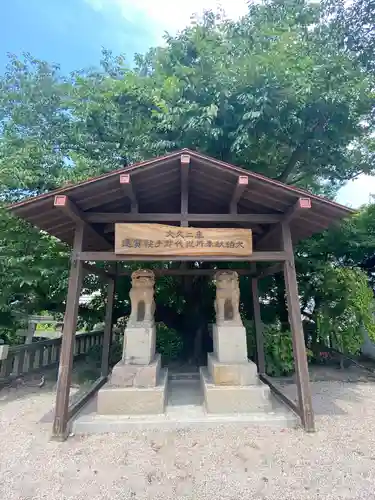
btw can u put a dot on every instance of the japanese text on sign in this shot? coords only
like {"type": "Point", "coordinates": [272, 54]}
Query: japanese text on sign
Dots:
{"type": "Point", "coordinates": [160, 239]}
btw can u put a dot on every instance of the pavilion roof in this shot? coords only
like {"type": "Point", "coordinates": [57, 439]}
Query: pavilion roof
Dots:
{"type": "Point", "coordinates": [156, 186]}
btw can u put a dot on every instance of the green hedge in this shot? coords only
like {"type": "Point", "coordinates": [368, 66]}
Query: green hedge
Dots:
{"type": "Point", "coordinates": [278, 348]}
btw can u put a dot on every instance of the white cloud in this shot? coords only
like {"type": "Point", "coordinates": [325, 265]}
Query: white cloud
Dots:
{"type": "Point", "coordinates": [356, 193]}
{"type": "Point", "coordinates": [176, 14]}
{"type": "Point", "coordinates": [169, 15]}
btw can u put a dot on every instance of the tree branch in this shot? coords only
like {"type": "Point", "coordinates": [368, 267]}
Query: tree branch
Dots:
{"type": "Point", "coordinates": [299, 152]}
{"type": "Point", "coordinates": [296, 156]}
{"type": "Point", "coordinates": [299, 178]}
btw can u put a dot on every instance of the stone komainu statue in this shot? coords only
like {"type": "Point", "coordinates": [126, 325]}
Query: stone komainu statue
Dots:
{"type": "Point", "coordinates": [227, 302]}
{"type": "Point", "coordinates": [142, 297]}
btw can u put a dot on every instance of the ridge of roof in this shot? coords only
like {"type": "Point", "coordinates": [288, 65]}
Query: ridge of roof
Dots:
{"type": "Point", "coordinates": [289, 187]}
{"type": "Point", "coordinates": [106, 175]}
{"type": "Point", "coordinates": [197, 155]}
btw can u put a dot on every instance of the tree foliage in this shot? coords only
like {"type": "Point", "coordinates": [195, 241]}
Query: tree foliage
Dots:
{"type": "Point", "coordinates": [354, 24]}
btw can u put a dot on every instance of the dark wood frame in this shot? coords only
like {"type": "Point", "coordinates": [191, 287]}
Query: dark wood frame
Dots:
{"type": "Point", "coordinates": [304, 407]}
{"type": "Point", "coordinates": [67, 343]}
{"type": "Point", "coordinates": [81, 262]}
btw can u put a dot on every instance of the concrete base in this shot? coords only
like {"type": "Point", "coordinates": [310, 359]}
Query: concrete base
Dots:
{"type": "Point", "coordinates": [139, 344]}
{"type": "Point", "coordinates": [125, 375]}
{"type": "Point", "coordinates": [184, 410]}
{"type": "Point", "coordinates": [103, 424]}
{"type": "Point", "coordinates": [234, 399]}
{"type": "Point", "coordinates": [232, 373]}
{"type": "Point", "coordinates": [230, 344]}
{"type": "Point", "coordinates": [133, 400]}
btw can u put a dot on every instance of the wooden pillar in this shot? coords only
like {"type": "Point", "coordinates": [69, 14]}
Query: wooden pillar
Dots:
{"type": "Point", "coordinates": [107, 337]}
{"type": "Point", "coordinates": [31, 327]}
{"type": "Point", "coordinates": [295, 321]}
{"type": "Point", "coordinates": [258, 326]}
{"type": "Point", "coordinates": [60, 422]}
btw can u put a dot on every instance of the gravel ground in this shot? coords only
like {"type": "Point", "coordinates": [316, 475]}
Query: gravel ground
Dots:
{"type": "Point", "coordinates": [337, 462]}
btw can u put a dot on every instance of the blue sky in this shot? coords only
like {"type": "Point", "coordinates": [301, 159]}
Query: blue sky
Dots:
{"type": "Point", "coordinates": [69, 32]}
{"type": "Point", "coordinates": [72, 33]}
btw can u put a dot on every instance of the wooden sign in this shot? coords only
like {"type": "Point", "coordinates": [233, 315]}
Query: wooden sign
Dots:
{"type": "Point", "coordinates": [160, 239]}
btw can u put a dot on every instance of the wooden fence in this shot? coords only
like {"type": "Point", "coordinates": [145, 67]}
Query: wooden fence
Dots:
{"type": "Point", "coordinates": [29, 358]}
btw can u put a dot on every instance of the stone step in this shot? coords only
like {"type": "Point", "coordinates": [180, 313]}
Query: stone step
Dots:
{"type": "Point", "coordinates": [175, 419]}
{"type": "Point", "coordinates": [183, 375]}
{"type": "Point", "coordinates": [235, 398]}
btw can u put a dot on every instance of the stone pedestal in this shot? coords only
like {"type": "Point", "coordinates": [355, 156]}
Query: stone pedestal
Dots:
{"type": "Point", "coordinates": [230, 383]}
{"type": "Point", "coordinates": [133, 400]}
{"type": "Point", "coordinates": [229, 342]}
{"type": "Point", "coordinates": [226, 399]}
{"type": "Point", "coordinates": [244, 373]}
{"type": "Point", "coordinates": [129, 375]}
{"type": "Point", "coordinates": [137, 384]}
{"type": "Point", "coordinates": [139, 344]}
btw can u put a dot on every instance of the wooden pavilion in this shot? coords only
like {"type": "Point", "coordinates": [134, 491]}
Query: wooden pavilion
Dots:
{"type": "Point", "coordinates": [188, 189]}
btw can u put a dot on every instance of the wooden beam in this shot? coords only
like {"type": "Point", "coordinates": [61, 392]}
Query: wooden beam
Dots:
{"type": "Point", "coordinates": [242, 182]}
{"type": "Point", "coordinates": [301, 204]}
{"type": "Point", "coordinates": [271, 270]}
{"type": "Point", "coordinates": [188, 272]}
{"type": "Point", "coordinates": [82, 400]}
{"type": "Point", "coordinates": [185, 165]}
{"type": "Point", "coordinates": [64, 203]}
{"type": "Point", "coordinates": [112, 257]}
{"type": "Point", "coordinates": [107, 338]}
{"type": "Point", "coordinates": [261, 361]}
{"type": "Point", "coordinates": [295, 320]}
{"type": "Point", "coordinates": [60, 422]}
{"type": "Point", "coordinates": [127, 187]}
{"type": "Point", "coordinates": [99, 217]}
{"type": "Point", "coordinates": [277, 389]}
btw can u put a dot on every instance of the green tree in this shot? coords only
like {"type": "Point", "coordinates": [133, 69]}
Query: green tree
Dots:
{"type": "Point", "coordinates": [353, 23]}
{"type": "Point", "coordinates": [277, 92]}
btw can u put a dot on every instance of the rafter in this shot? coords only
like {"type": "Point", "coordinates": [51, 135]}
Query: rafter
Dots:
{"type": "Point", "coordinates": [185, 164]}
{"type": "Point", "coordinates": [241, 185]}
{"type": "Point", "coordinates": [127, 186]}
{"type": "Point", "coordinates": [301, 204]}
{"type": "Point", "coordinates": [65, 204]}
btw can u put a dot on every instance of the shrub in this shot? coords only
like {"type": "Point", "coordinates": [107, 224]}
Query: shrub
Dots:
{"type": "Point", "coordinates": [278, 348]}
{"type": "Point", "coordinates": [168, 342]}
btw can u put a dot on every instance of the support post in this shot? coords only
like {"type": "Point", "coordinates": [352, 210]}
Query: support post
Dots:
{"type": "Point", "coordinates": [241, 186]}
{"type": "Point", "coordinates": [258, 325]}
{"type": "Point", "coordinates": [31, 327]}
{"type": "Point", "coordinates": [295, 321]}
{"type": "Point", "coordinates": [300, 205]}
{"type": "Point", "coordinates": [60, 423]}
{"type": "Point", "coordinates": [185, 165]}
{"type": "Point", "coordinates": [127, 186]}
{"type": "Point", "coordinates": [65, 204]}
{"type": "Point", "coordinates": [107, 338]}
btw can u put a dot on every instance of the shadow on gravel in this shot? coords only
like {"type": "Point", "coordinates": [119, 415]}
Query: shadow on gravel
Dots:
{"type": "Point", "coordinates": [43, 382]}
{"type": "Point", "coordinates": [326, 396]}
